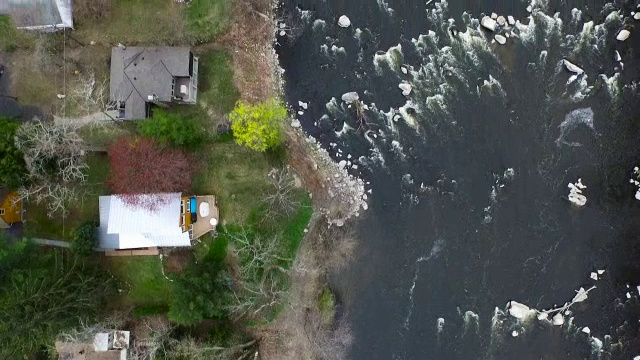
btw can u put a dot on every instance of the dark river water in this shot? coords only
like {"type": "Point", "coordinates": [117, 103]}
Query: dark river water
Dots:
{"type": "Point", "coordinates": [470, 171]}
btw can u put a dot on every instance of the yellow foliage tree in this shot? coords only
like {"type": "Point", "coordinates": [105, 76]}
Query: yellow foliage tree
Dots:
{"type": "Point", "coordinates": [258, 126]}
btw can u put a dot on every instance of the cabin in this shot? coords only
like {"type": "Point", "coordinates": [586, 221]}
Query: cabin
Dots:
{"type": "Point", "coordinates": [173, 221]}
{"type": "Point", "coordinates": [144, 77]}
{"type": "Point", "coordinates": [11, 210]}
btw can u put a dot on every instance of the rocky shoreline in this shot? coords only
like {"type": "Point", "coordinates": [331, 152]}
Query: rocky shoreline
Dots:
{"type": "Point", "coordinates": [298, 332]}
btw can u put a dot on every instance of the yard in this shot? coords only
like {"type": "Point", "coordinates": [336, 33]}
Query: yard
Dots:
{"type": "Point", "coordinates": [84, 209]}
{"type": "Point", "coordinates": [141, 281]}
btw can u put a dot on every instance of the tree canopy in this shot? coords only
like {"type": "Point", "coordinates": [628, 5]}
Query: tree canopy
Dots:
{"type": "Point", "coordinates": [12, 167]}
{"type": "Point", "coordinates": [184, 130]}
{"type": "Point", "coordinates": [42, 294]}
{"type": "Point", "coordinates": [55, 160]}
{"type": "Point", "coordinates": [142, 166]}
{"type": "Point", "coordinates": [200, 292]}
{"type": "Point", "coordinates": [258, 126]}
{"type": "Point", "coordinates": [85, 238]}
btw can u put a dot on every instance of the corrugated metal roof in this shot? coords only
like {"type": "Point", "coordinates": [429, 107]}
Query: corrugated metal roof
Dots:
{"type": "Point", "coordinates": [39, 14]}
{"type": "Point", "coordinates": [123, 226]}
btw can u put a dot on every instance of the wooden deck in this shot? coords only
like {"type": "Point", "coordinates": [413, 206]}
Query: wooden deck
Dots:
{"type": "Point", "coordinates": [202, 225]}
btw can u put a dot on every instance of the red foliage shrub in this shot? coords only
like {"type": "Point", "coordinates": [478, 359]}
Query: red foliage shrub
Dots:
{"type": "Point", "coordinates": [141, 166]}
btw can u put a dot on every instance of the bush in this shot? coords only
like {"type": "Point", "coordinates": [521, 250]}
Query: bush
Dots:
{"type": "Point", "coordinates": [12, 166]}
{"type": "Point", "coordinates": [184, 130]}
{"type": "Point", "coordinates": [84, 238]}
{"type": "Point", "coordinates": [258, 126]}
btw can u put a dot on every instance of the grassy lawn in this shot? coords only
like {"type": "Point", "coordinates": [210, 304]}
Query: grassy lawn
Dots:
{"type": "Point", "coordinates": [236, 174]}
{"type": "Point", "coordinates": [40, 225]}
{"type": "Point", "coordinates": [142, 279]}
{"type": "Point", "coordinates": [216, 89]}
{"type": "Point", "coordinates": [293, 228]}
{"type": "Point", "coordinates": [12, 38]}
{"type": "Point", "coordinates": [136, 22]}
{"type": "Point", "coordinates": [206, 19]}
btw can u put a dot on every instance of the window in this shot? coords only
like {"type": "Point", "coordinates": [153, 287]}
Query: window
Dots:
{"type": "Point", "coordinates": [1, 211]}
{"type": "Point", "coordinates": [182, 207]}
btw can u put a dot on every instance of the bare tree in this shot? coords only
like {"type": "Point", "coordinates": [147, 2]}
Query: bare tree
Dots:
{"type": "Point", "coordinates": [263, 283]}
{"type": "Point", "coordinates": [329, 343]}
{"type": "Point", "coordinates": [88, 95]}
{"type": "Point", "coordinates": [55, 161]}
{"type": "Point", "coordinates": [190, 348]}
{"type": "Point", "coordinates": [281, 199]}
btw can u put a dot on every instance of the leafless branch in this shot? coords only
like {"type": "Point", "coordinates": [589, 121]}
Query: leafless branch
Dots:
{"type": "Point", "coordinates": [281, 199]}
{"type": "Point", "coordinates": [261, 285]}
{"type": "Point", "coordinates": [55, 162]}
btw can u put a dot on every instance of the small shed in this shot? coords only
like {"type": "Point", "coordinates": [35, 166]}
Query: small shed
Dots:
{"type": "Point", "coordinates": [42, 15]}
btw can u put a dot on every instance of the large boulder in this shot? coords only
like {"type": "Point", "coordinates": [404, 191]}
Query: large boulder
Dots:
{"type": "Point", "coordinates": [344, 21]}
{"type": "Point", "coordinates": [350, 97]}
{"type": "Point", "coordinates": [623, 35]}
{"type": "Point", "coordinates": [488, 23]}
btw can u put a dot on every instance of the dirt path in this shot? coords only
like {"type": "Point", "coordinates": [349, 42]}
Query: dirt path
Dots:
{"type": "Point", "coordinates": [97, 117]}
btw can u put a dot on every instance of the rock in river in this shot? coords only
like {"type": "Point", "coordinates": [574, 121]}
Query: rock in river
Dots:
{"type": "Point", "coordinates": [344, 21]}
{"type": "Point", "coordinates": [488, 23]}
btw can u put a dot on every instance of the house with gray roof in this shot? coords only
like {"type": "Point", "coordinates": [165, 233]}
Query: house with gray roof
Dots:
{"type": "Point", "coordinates": [143, 77]}
{"type": "Point", "coordinates": [43, 15]}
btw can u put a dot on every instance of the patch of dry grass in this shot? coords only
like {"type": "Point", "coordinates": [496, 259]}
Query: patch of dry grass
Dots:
{"type": "Point", "coordinates": [249, 42]}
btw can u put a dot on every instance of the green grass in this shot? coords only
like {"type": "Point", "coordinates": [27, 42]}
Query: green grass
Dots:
{"type": "Point", "coordinates": [136, 22]}
{"type": "Point", "coordinates": [10, 37]}
{"type": "Point", "coordinates": [293, 228]}
{"type": "Point", "coordinates": [327, 305]}
{"type": "Point", "coordinates": [86, 209]}
{"type": "Point", "coordinates": [141, 278]}
{"type": "Point", "coordinates": [216, 89]}
{"type": "Point", "coordinates": [236, 175]}
{"type": "Point", "coordinates": [206, 19]}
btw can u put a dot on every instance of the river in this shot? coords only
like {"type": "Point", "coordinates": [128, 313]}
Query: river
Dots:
{"type": "Point", "coordinates": [470, 168]}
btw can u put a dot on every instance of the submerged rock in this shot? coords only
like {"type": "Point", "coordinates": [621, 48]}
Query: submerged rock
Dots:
{"type": "Point", "coordinates": [637, 16]}
{"type": "Point", "coordinates": [501, 20]}
{"type": "Point", "coordinates": [295, 123]}
{"type": "Point", "coordinates": [617, 56]}
{"type": "Point", "coordinates": [500, 39]}
{"type": "Point", "coordinates": [488, 23]}
{"type": "Point", "coordinates": [511, 20]}
{"type": "Point", "coordinates": [623, 35]}
{"type": "Point", "coordinates": [344, 21]}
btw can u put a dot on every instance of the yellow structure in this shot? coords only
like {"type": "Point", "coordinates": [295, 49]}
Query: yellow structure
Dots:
{"type": "Point", "coordinates": [10, 208]}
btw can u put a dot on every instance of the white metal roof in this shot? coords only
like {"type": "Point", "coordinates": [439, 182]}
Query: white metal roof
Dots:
{"type": "Point", "coordinates": [123, 226]}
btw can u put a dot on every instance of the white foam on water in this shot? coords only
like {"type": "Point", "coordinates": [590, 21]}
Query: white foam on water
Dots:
{"type": "Point", "coordinates": [471, 321]}
{"type": "Point", "coordinates": [437, 247]}
{"type": "Point", "coordinates": [392, 58]}
{"type": "Point", "coordinates": [398, 149]}
{"type": "Point", "coordinates": [596, 347]}
{"type": "Point", "coordinates": [577, 117]}
{"type": "Point", "coordinates": [319, 24]}
{"type": "Point", "coordinates": [384, 7]}
{"type": "Point", "coordinates": [344, 130]}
